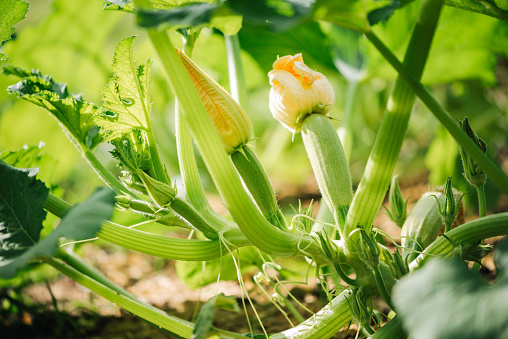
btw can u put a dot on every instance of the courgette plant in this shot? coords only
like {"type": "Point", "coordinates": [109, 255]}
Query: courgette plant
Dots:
{"type": "Point", "coordinates": [341, 240]}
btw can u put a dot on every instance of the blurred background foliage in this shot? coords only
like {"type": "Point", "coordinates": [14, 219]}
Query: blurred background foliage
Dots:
{"type": "Point", "coordinates": [467, 70]}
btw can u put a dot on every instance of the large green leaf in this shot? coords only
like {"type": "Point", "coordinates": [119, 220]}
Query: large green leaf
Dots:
{"type": "Point", "coordinates": [80, 222]}
{"type": "Point", "coordinates": [446, 300]}
{"type": "Point", "coordinates": [71, 111]}
{"type": "Point", "coordinates": [31, 156]}
{"type": "Point", "coordinates": [11, 11]}
{"type": "Point", "coordinates": [126, 98]}
{"type": "Point", "coordinates": [22, 197]}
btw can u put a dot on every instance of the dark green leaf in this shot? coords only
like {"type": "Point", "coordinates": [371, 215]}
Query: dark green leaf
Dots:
{"type": "Point", "coordinates": [495, 8]}
{"type": "Point", "coordinates": [11, 11]}
{"type": "Point", "coordinates": [22, 198]}
{"type": "Point", "coordinates": [384, 13]}
{"type": "Point", "coordinates": [80, 222]}
{"type": "Point", "coordinates": [348, 51]}
{"type": "Point", "coordinates": [348, 13]}
{"type": "Point", "coordinates": [278, 15]}
{"type": "Point", "coordinates": [192, 14]}
{"type": "Point", "coordinates": [73, 113]}
{"type": "Point", "coordinates": [445, 299]}
{"type": "Point", "coordinates": [264, 46]}
{"type": "Point", "coordinates": [126, 98]}
{"type": "Point", "coordinates": [205, 316]}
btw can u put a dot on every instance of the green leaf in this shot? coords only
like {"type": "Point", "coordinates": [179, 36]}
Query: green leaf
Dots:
{"type": "Point", "coordinates": [445, 299]}
{"type": "Point", "coordinates": [22, 198]}
{"type": "Point", "coordinates": [132, 151]}
{"type": "Point", "coordinates": [126, 98]}
{"type": "Point", "coordinates": [73, 113]}
{"type": "Point", "coordinates": [348, 13]}
{"type": "Point", "coordinates": [278, 15]}
{"type": "Point", "coordinates": [31, 156]}
{"type": "Point", "coordinates": [495, 8]}
{"type": "Point", "coordinates": [205, 316]}
{"type": "Point", "coordinates": [80, 222]}
{"type": "Point", "coordinates": [185, 14]}
{"type": "Point", "coordinates": [11, 11]}
{"type": "Point", "coordinates": [264, 46]}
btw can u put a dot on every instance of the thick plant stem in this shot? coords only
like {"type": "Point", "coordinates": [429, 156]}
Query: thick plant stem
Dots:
{"type": "Point", "coordinates": [255, 178]}
{"type": "Point", "coordinates": [486, 164]}
{"type": "Point", "coordinates": [345, 130]}
{"type": "Point", "coordinates": [260, 232]}
{"type": "Point", "coordinates": [160, 170]}
{"type": "Point", "coordinates": [153, 244]}
{"type": "Point", "coordinates": [325, 323]}
{"type": "Point", "coordinates": [152, 314]}
{"type": "Point", "coordinates": [392, 330]}
{"type": "Point", "coordinates": [187, 212]}
{"type": "Point", "coordinates": [330, 165]}
{"type": "Point", "coordinates": [383, 157]}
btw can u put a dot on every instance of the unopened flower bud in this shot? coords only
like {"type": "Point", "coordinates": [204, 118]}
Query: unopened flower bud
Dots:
{"type": "Point", "coordinates": [449, 208]}
{"type": "Point", "coordinates": [398, 206]}
{"type": "Point", "coordinates": [369, 249]}
{"type": "Point", "coordinates": [298, 91]}
{"type": "Point", "coordinates": [230, 120]}
{"type": "Point", "coordinates": [472, 172]}
{"type": "Point", "coordinates": [161, 193]}
{"type": "Point", "coordinates": [123, 201]}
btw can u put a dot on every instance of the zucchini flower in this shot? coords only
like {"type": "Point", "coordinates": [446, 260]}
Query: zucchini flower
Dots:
{"type": "Point", "coordinates": [230, 120]}
{"type": "Point", "coordinates": [298, 91]}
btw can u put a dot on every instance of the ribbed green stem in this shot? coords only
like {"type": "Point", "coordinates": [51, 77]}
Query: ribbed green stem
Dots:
{"type": "Point", "coordinates": [153, 244]}
{"type": "Point", "coordinates": [260, 232]}
{"type": "Point", "coordinates": [329, 163]}
{"type": "Point", "coordinates": [236, 75]}
{"type": "Point", "coordinates": [160, 171]}
{"type": "Point", "coordinates": [486, 164]}
{"type": "Point", "coordinates": [468, 233]}
{"type": "Point", "coordinates": [392, 330]}
{"type": "Point", "coordinates": [482, 202]}
{"type": "Point", "coordinates": [385, 152]}
{"type": "Point", "coordinates": [150, 313]}
{"type": "Point", "coordinates": [325, 323]}
{"type": "Point", "coordinates": [255, 178]}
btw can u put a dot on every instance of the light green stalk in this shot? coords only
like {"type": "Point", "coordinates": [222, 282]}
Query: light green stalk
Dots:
{"type": "Point", "coordinates": [376, 179]}
{"type": "Point", "coordinates": [491, 169]}
{"type": "Point", "coordinates": [252, 223]}
{"type": "Point", "coordinates": [236, 75]}
{"type": "Point", "coordinates": [330, 165]}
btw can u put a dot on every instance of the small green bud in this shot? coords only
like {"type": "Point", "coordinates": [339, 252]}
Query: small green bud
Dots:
{"type": "Point", "coordinates": [397, 265]}
{"type": "Point", "coordinates": [449, 207]}
{"type": "Point", "coordinates": [123, 201]}
{"type": "Point", "coordinates": [369, 249]}
{"type": "Point", "coordinates": [398, 206]}
{"type": "Point", "coordinates": [161, 193]}
{"type": "Point", "coordinates": [329, 249]}
{"type": "Point", "coordinates": [472, 172]}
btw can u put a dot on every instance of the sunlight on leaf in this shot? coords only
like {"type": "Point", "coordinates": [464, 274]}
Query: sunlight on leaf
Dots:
{"type": "Point", "coordinates": [11, 11]}
{"type": "Point", "coordinates": [72, 112]}
{"type": "Point", "coordinates": [126, 98]}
